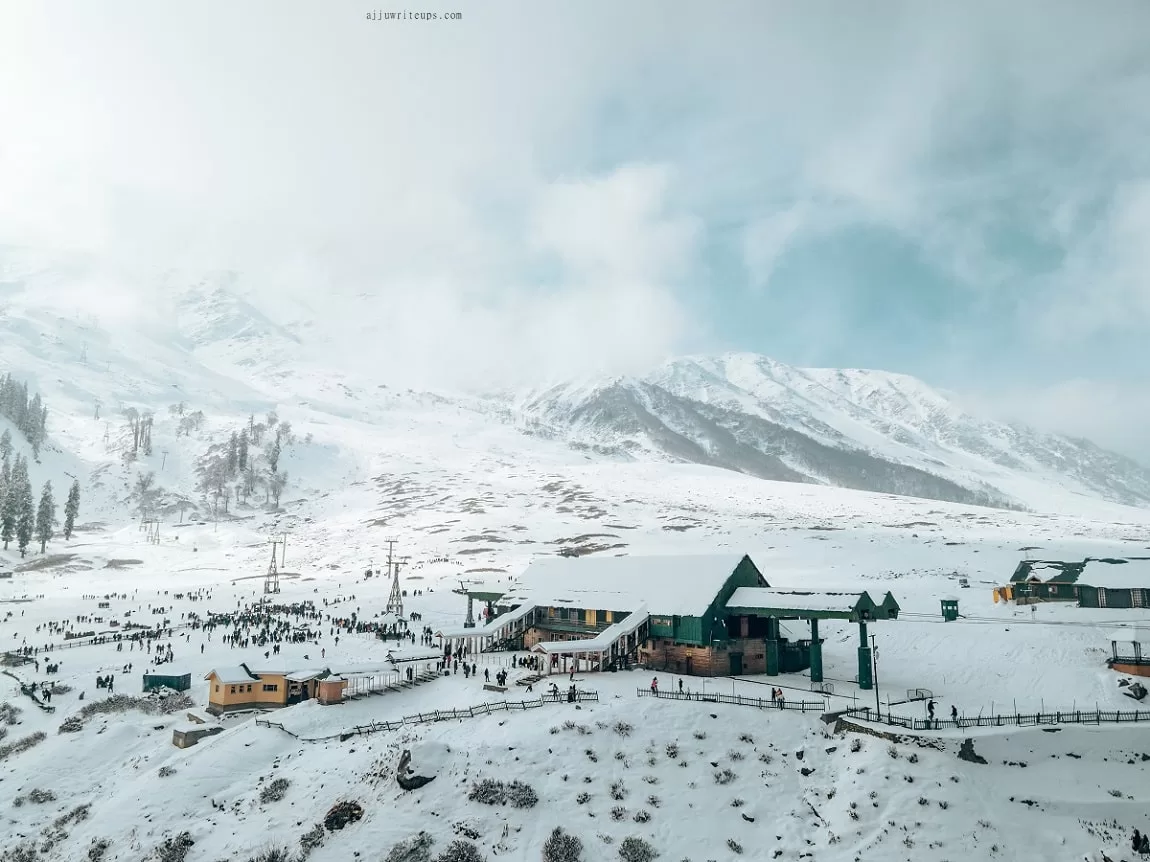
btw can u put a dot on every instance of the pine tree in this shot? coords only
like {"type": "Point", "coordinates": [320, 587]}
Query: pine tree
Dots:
{"type": "Point", "coordinates": [45, 516]}
{"type": "Point", "coordinates": [232, 463]}
{"type": "Point", "coordinates": [10, 505]}
{"type": "Point", "coordinates": [5, 446]}
{"type": "Point", "coordinates": [242, 451]}
{"type": "Point", "coordinates": [71, 509]}
{"type": "Point", "coordinates": [25, 513]}
{"type": "Point", "coordinates": [5, 481]}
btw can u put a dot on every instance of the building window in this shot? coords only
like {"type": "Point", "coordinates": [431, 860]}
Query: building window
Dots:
{"type": "Point", "coordinates": [217, 686]}
{"type": "Point", "coordinates": [271, 687]}
{"type": "Point", "coordinates": [249, 688]}
{"type": "Point", "coordinates": [1136, 598]}
{"type": "Point", "coordinates": [233, 690]}
{"type": "Point", "coordinates": [1101, 597]}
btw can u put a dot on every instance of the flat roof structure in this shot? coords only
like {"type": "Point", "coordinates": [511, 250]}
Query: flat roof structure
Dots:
{"type": "Point", "coordinates": [408, 654]}
{"type": "Point", "coordinates": [766, 602]}
{"type": "Point", "coordinates": [1129, 574]}
{"type": "Point", "coordinates": [677, 585]}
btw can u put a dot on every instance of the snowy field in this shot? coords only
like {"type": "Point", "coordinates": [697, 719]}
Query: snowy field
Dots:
{"type": "Point", "coordinates": [470, 498]}
{"type": "Point", "coordinates": [864, 803]}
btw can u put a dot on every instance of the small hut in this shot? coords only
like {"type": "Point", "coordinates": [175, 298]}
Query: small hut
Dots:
{"type": "Point", "coordinates": [950, 609]}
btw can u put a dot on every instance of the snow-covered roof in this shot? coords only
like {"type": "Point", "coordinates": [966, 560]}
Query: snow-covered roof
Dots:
{"type": "Point", "coordinates": [1133, 574]}
{"type": "Point", "coordinates": [1130, 635]}
{"type": "Point", "coordinates": [679, 585]}
{"type": "Point", "coordinates": [304, 675]}
{"type": "Point", "coordinates": [493, 625]}
{"type": "Point", "coordinates": [413, 653]}
{"type": "Point", "coordinates": [601, 641]}
{"type": "Point", "coordinates": [232, 675]}
{"type": "Point", "coordinates": [371, 669]}
{"type": "Point", "coordinates": [760, 597]}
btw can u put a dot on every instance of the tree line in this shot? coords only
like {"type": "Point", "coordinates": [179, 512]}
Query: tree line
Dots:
{"type": "Point", "coordinates": [29, 415]}
{"type": "Point", "coordinates": [236, 469]}
{"type": "Point", "coordinates": [21, 521]}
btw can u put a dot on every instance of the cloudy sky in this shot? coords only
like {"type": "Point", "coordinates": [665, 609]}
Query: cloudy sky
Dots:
{"type": "Point", "coordinates": [552, 188]}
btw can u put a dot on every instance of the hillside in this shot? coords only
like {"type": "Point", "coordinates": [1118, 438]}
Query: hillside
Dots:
{"type": "Point", "coordinates": [869, 430]}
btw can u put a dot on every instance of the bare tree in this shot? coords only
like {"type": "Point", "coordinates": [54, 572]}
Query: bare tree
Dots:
{"type": "Point", "coordinates": [277, 482]}
{"type": "Point", "coordinates": [133, 417]}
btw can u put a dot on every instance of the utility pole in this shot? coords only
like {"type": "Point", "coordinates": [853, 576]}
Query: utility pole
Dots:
{"type": "Point", "coordinates": [164, 461]}
{"type": "Point", "coordinates": [874, 665]}
{"type": "Point", "coordinates": [272, 578]}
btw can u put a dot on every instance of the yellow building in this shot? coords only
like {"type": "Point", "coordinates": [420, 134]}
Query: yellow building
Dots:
{"type": "Point", "coordinates": [237, 688]}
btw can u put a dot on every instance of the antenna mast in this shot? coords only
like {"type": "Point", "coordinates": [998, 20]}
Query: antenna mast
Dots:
{"type": "Point", "coordinates": [272, 578]}
{"type": "Point", "coordinates": [395, 600]}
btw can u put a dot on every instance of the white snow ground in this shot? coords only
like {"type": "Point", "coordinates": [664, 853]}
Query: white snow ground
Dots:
{"type": "Point", "coordinates": [470, 498]}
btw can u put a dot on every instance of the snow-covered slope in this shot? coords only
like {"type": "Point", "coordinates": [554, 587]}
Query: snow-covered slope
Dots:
{"type": "Point", "coordinates": [870, 430]}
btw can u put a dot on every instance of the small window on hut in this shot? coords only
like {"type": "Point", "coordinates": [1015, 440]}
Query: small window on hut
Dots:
{"type": "Point", "coordinates": [271, 687]}
{"type": "Point", "coordinates": [233, 690]}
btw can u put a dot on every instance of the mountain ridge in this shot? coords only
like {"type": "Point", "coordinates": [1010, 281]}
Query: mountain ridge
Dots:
{"type": "Point", "coordinates": [866, 429]}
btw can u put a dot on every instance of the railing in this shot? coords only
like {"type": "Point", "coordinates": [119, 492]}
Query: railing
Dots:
{"type": "Point", "coordinates": [736, 699]}
{"type": "Point", "coordinates": [1096, 716]}
{"type": "Point", "coordinates": [441, 715]}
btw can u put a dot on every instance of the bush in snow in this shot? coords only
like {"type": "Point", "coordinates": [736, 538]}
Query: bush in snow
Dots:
{"type": "Point", "coordinates": [618, 791]}
{"type": "Point", "coordinates": [562, 847]}
{"type": "Point", "coordinates": [9, 714]}
{"type": "Point", "coordinates": [672, 750]}
{"type": "Point", "coordinates": [22, 744]}
{"type": "Point", "coordinates": [618, 813]}
{"type": "Point", "coordinates": [735, 754]}
{"type": "Point", "coordinates": [460, 851]}
{"type": "Point", "coordinates": [734, 845]}
{"type": "Point", "coordinates": [71, 724]}
{"type": "Point", "coordinates": [623, 729]}
{"type": "Point", "coordinates": [642, 816]}
{"type": "Point", "coordinates": [489, 792]}
{"type": "Point", "coordinates": [22, 853]}
{"type": "Point", "coordinates": [167, 771]}
{"type": "Point", "coordinates": [636, 850]}
{"type": "Point", "coordinates": [274, 791]}
{"type": "Point", "coordinates": [913, 758]}
{"type": "Point", "coordinates": [725, 776]}
{"type": "Point", "coordinates": [521, 795]}
{"type": "Point", "coordinates": [97, 849]}
{"type": "Point", "coordinates": [653, 801]}
{"type": "Point", "coordinates": [747, 738]}
{"type": "Point", "coordinates": [310, 840]}
{"type": "Point", "coordinates": [737, 803]}
{"type": "Point", "coordinates": [892, 751]}
{"type": "Point", "coordinates": [417, 848]}
{"type": "Point", "coordinates": [856, 745]}
{"type": "Point", "coordinates": [699, 734]}
{"type": "Point", "coordinates": [583, 798]}
{"type": "Point", "coordinates": [174, 849]}
{"type": "Point", "coordinates": [41, 796]}
{"type": "Point", "coordinates": [272, 854]}
{"type": "Point", "coordinates": [650, 779]}
{"type": "Point", "coordinates": [592, 756]}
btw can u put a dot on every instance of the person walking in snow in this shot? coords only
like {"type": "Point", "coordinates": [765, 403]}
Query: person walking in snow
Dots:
{"type": "Point", "coordinates": [953, 712]}
{"type": "Point", "coordinates": [930, 713]}
{"type": "Point", "coordinates": [655, 685]}
{"type": "Point", "coordinates": [680, 686]}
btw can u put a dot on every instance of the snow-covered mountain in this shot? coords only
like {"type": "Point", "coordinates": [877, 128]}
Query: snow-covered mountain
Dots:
{"type": "Point", "coordinates": [869, 430]}
{"type": "Point", "coordinates": [211, 341]}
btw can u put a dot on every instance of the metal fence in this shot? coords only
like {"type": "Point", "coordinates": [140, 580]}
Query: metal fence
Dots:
{"type": "Point", "coordinates": [442, 715]}
{"type": "Point", "coordinates": [1095, 716]}
{"type": "Point", "coordinates": [736, 699]}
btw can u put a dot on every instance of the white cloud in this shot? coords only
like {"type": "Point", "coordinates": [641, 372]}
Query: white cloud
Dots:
{"type": "Point", "coordinates": [767, 239]}
{"type": "Point", "coordinates": [533, 184]}
{"type": "Point", "coordinates": [1112, 414]}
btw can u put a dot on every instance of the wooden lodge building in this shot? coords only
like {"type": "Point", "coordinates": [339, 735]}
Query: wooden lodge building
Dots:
{"type": "Point", "coordinates": [233, 689]}
{"type": "Point", "coordinates": [1092, 583]}
{"type": "Point", "coordinates": [712, 615]}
